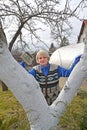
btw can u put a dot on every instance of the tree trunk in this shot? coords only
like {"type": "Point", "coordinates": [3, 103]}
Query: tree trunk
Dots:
{"type": "Point", "coordinates": [27, 91]}
{"type": "Point", "coordinates": [4, 87]}
{"type": "Point", "coordinates": [3, 38]}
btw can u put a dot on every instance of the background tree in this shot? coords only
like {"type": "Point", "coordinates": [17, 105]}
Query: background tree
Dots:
{"type": "Point", "coordinates": [23, 20]}
{"type": "Point", "coordinates": [64, 42]}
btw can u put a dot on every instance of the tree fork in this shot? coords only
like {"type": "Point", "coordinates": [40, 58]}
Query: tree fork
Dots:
{"type": "Point", "coordinates": [27, 90]}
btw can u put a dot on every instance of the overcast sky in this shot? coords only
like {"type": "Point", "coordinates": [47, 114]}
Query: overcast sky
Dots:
{"type": "Point", "coordinates": [75, 22]}
{"type": "Point", "coordinates": [77, 27]}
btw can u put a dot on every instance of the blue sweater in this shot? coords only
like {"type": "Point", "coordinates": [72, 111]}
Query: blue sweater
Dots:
{"type": "Point", "coordinates": [23, 64]}
{"type": "Point", "coordinates": [62, 72]}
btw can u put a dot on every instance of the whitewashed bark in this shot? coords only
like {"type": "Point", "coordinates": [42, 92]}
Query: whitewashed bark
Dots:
{"type": "Point", "coordinates": [71, 86]}
{"type": "Point", "coordinates": [27, 91]}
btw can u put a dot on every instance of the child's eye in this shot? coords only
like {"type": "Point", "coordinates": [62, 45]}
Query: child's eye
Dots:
{"type": "Point", "coordinates": [42, 57]}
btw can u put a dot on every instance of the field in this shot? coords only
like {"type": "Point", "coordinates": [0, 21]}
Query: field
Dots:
{"type": "Point", "coordinates": [13, 117]}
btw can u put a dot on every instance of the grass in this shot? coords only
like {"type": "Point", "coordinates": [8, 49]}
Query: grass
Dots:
{"type": "Point", "coordinates": [13, 117]}
{"type": "Point", "coordinates": [75, 118]}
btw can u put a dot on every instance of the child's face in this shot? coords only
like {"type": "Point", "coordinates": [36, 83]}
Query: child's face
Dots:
{"type": "Point", "coordinates": [42, 60]}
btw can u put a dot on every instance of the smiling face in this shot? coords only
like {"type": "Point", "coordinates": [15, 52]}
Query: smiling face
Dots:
{"type": "Point", "coordinates": [42, 58]}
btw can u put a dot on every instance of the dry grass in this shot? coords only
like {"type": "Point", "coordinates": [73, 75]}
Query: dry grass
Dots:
{"type": "Point", "coordinates": [10, 105]}
{"type": "Point", "coordinates": [83, 87]}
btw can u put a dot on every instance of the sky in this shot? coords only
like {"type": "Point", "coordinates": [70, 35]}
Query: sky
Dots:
{"type": "Point", "coordinates": [76, 24]}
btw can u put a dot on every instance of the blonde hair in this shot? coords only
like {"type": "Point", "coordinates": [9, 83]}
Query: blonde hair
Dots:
{"type": "Point", "coordinates": [42, 52]}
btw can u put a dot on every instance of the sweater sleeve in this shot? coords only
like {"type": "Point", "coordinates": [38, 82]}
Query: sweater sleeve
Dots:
{"type": "Point", "coordinates": [23, 64]}
{"type": "Point", "coordinates": [62, 72]}
{"type": "Point", "coordinates": [32, 71]}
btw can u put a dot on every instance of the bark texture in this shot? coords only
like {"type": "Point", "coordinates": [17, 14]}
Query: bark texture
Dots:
{"type": "Point", "coordinates": [28, 93]}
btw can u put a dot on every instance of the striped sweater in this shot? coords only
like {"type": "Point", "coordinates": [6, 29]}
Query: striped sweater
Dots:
{"type": "Point", "coordinates": [49, 83]}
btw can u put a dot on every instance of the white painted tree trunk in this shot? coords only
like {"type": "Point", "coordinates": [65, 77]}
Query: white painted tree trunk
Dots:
{"type": "Point", "coordinates": [28, 93]}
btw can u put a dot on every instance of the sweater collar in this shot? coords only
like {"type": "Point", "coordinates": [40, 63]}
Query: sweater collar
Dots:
{"type": "Point", "coordinates": [45, 69]}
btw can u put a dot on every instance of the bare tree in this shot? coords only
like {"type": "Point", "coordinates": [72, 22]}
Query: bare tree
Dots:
{"type": "Point", "coordinates": [24, 19]}
{"type": "Point", "coordinates": [27, 91]}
